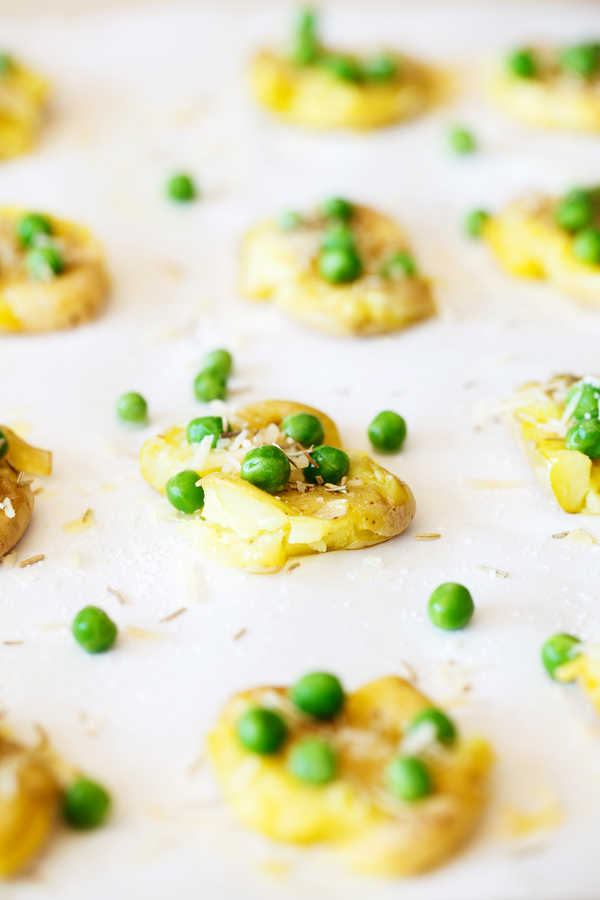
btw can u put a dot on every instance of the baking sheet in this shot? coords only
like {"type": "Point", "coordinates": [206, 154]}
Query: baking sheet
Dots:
{"type": "Point", "coordinates": [137, 94]}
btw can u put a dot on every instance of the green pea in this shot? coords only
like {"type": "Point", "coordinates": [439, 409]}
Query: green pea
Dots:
{"type": "Point", "coordinates": [3, 444]}
{"type": "Point", "coordinates": [305, 42]}
{"type": "Point", "coordinates": [289, 220]}
{"type": "Point", "coordinates": [408, 778]}
{"type": "Point", "coordinates": [343, 67]}
{"type": "Point", "coordinates": [575, 213]}
{"type": "Point", "coordinates": [261, 730]}
{"type": "Point", "coordinates": [387, 431]}
{"type": "Point", "coordinates": [132, 409]}
{"type": "Point", "coordinates": [303, 428]}
{"type": "Point", "coordinates": [558, 650]}
{"type": "Point", "coordinates": [523, 64]}
{"type": "Point", "coordinates": [31, 226]}
{"type": "Point", "coordinates": [451, 606]}
{"type": "Point", "coordinates": [184, 493]}
{"type": "Point", "coordinates": [85, 804]}
{"type": "Point", "coordinates": [380, 68]}
{"type": "Point", "coordinates": [198, 429]}
{"type": "Point", "coordinates": [7, 64]}
{"type": "Point", "coordinates": [336, 208]}
{"type": "Point", "coordinates": [340, 265]}
{"type": "Point", "coordinates": [94, 630]}
{"type": "Point", "coordinates": [338, 235]}
{"type": "Point", "coordinates": [581, 60]}
{"type": "Point", "coordinates": [586, 246]}
{"type": "Point", "coordinates": [475, 221]}
{"type": "Point", "coordinates": [219, 361]}
{"type": "Point", "coordinates": [44, 262]}
{"type": "Point", "coordinates": [181, 188]}
{"type": "Point", "coordinates": [461, 140]}
{"type": "Point", "coordinates": [209, 385]}
{"type": "Point", "coordinates": [585, 437]}
{"type": "Point", "coordinates": [587, 396]}
{"type": "Point", "coordinates": [329, 463]}
{"type": "Point", "coordinates": [313, 760]}
{"type": "Point", "coordinates": [318, 694]}
{"type": "Point", "coordinates": [444, 727]}
{"type": "Point", "coordinates": [268, 468]}
{"type": "Point", "coordinates": [399, 265]}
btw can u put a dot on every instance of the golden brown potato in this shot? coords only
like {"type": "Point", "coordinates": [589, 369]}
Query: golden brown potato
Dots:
{"type": "Point", "coordinates": [16, 497]}
{"type": "Point", "coordinates": [355, 812]}
{"type": "Point", "coordinates": [29, 800]}
{"type": "Point", "coordinates": [22, 98]}
{"type": "Point", "coordinates": [70, 298]}
{"type": "Point", "coordinates": [283, 266]}
{"type": "Point", "coordinates": [241, 525]}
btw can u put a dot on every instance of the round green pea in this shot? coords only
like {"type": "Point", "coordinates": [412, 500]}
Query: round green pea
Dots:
{"type": "Point", "coordinates": [329, 463]}
{"type": "Point", "coordinates": [209, 385]}
{"type": "Point", "coordinates": [261, 730]}
{"type": "Point", "coordinates": [586, 245]}
{"type": "Point", "coordinates": [219, 361]}
{"type": "Point", "coordinates": [451, 606]}
{"type": "Point", "coordinates": [289, 220]}
{"type": "Point", "coordinates": [181, 188]}
{"type": "Point", "coordinates": [387, 431]}
{"type": "Point", "coordinates": [558, 650]}
{"type": "Point", "coordinates": [3, 444]}
{"type": "Point", "coordinates": [85, 804]}
{"type": "Point", "coordinates": [184, 494]}
{"type": "Point", "coordinates": [198, 429]}
{"type": "Point", "coordinates": [313, 761]}
{"type": "Point", "coordinates": [318, 694]}
{"type": "Point", "coordinates": [338, 235]}
{"type": "Point", "coordinates": [588, 396]}
{"type": "Point", "coordinates": [132, 409]}
{"type": "Point", "coordinates": [31, 226]}
{"type": "Point", "coordinates": [581, 60]}
{"type": "Point", "coordinates": [7, 64]}
{"type": "Point", "coordinates": [340, 265]}
{"type": "Point", "coordinates": [408, 778]}
{"type": "Point", "coordinates": [461, 140]}
{"type": "Point", "coordinates": [523, 64]}
{"type": "Point", "coordinates": [336, 208]}
{"type": "Point", "coordinates": [44, 262]}
{"type": "Point", "coordinates": [444, 727]}
{"type": "Point", "coordinates": [380, 68]}
{"type": "Point", "coordinates": [268, 468]}
{"type": "Point", "coordinates": [585, 437]}
{"type": "Point", "coordinates": [343, 67]}
{"type": "Point", "coordinates": [399, 265]}
{"type": "Point", "coordinates": [475, 221]}
{"type": "Point", "coordinates": [575, 213]}
{"type": "Point", "coordinates": [303, 428]}
{"type": "Point", "coordinates": [94, 630]}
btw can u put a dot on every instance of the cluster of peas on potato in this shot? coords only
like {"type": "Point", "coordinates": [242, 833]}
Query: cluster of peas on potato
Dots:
{"type": "Point", "coordinates": [306, 50]}
{"type": "Point", "coordinates": [339, 261]}
{"type": "Point", "coordinates": [579, 60]}
{"type": "Point", "coordinates": [43, 258]}
{"type": "Point", "coordinates": [319, 696]}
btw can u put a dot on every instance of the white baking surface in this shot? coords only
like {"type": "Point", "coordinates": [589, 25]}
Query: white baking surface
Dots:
{"type": "Point", "coordinates": [143, 92]}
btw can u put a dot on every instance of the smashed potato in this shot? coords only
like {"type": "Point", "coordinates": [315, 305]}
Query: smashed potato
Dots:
{"type": "Point", "coordinates": [242, 525]}
{"type": "Point", "coordinates": [356, 812]}
{"type": "Point", "coordinates": [529, 243]}
{"type": "Point", "coordinates": [22, 98]}
{"type": "Point", "coordinates": [550, 88]}
{"type": "Point", "coordinates": [16, 497]}
{"type": "Point", "coordinates": [29, 801]}
{"type": "Point", "coordinates": [39, 300]}
{"type": "Point", "coordinates": [538, 416]}
{"type": "Point", "coordinates": [284, 265]}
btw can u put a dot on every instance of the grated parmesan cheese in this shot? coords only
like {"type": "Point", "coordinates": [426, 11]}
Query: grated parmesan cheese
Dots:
{"type": "Point", "coordinates": [8, 508]}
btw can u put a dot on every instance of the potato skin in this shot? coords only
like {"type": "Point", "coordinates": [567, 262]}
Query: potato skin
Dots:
{"type": "Point", "coordinates": [72, 298]}
{"type": "Point", "coordinates": [20, 457]}
{"type": "Point", "coordinates": [374, 837]}
{"type": "Point", "coordinates": [28, 812]}
{"type": "Point", "coordinates": [282, 267]}
{"type": "Point", "coordinates": [312, 97]}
